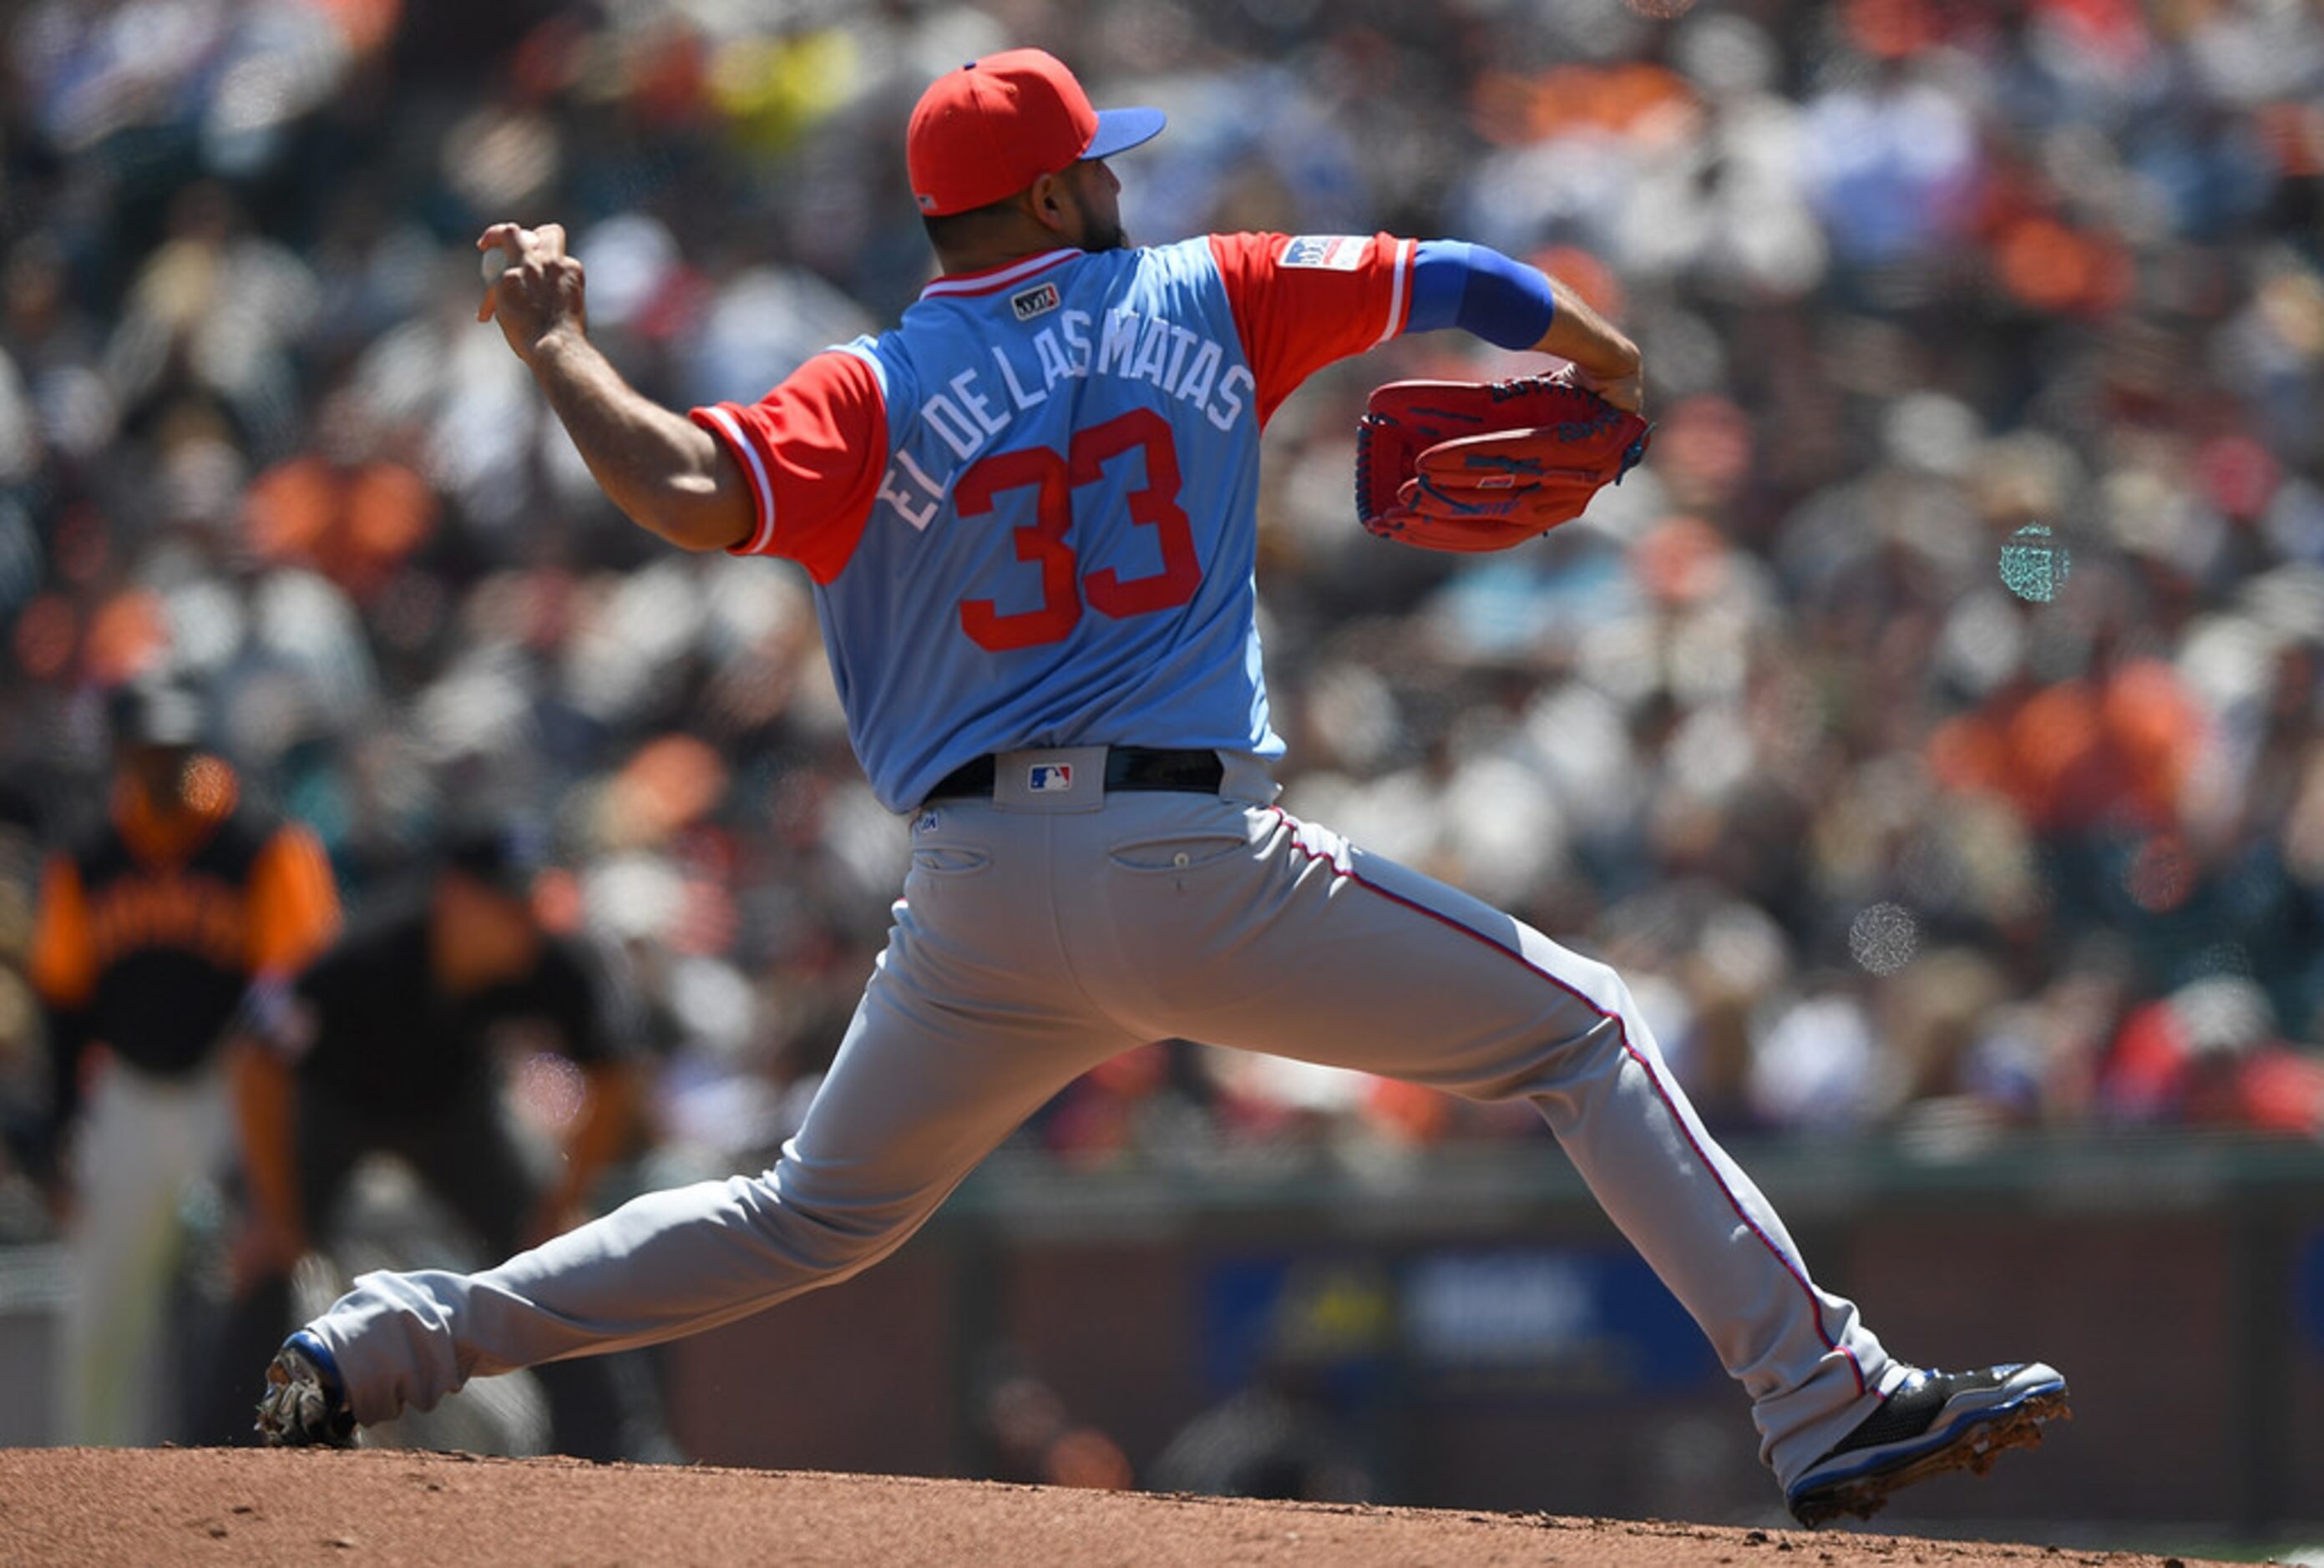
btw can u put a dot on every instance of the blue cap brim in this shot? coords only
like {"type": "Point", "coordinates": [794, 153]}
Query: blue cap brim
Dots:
{"type": "Point", "coordinates": [1119, 130]}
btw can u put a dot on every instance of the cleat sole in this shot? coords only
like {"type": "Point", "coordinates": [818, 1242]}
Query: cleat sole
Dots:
{"type": "Point", "coordinates": [1975, 1450]}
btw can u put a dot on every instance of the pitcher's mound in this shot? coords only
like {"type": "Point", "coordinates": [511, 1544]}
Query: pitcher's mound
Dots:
{"type": "Point", "coordinates": [248, 1507]}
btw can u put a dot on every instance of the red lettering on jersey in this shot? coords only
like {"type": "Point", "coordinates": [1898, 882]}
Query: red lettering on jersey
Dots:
{"type": "Point", "coordinates": [1054, 476]}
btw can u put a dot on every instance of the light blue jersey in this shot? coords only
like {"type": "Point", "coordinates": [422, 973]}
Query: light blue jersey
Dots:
{"type": "Point", "coordinates": [1058, 544]}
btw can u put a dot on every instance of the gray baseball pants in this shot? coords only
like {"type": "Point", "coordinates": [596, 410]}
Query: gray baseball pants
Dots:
{"type": "Point", "coordinates": [1039, 934]}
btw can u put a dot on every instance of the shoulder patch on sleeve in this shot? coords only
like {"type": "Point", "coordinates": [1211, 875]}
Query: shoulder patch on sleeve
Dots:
{"type": "Point", "coordinates": [1332, 253]}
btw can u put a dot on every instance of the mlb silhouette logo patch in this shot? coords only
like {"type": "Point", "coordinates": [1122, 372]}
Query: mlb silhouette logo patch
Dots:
{"type": "Point", "coordinates": [1038, 300]}
{"type": "Point", "coordinates": [1049, 778]}
{"type": "Point", "coordinates": [1332, 253]}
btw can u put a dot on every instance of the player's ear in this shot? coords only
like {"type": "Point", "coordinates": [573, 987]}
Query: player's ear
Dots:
{"type": "Point", "coordinates": [1051, 204]}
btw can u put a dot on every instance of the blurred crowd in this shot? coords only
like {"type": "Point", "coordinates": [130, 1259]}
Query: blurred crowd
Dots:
{"type": "Point", "coordinates": [1927, 730]}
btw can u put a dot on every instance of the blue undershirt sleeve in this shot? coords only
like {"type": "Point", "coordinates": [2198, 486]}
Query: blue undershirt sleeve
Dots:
{"type": "Point", "coordinates": [1481, 291]}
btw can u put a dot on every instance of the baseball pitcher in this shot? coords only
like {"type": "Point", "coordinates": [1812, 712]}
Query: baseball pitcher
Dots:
{"type": "Point", "coordinates": [1028, 514]}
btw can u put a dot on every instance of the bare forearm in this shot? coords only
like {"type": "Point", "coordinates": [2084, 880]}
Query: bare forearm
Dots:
{"type": "Point", "coordinates": [1581, 336]}
{"type": "Point", "coordinates": [673, 478]}
{"type": "Point", "coordinates": [666, 472]}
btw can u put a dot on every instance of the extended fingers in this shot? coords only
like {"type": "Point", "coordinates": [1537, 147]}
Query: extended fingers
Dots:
{"type": "Point", "coordinates": [508, 238]}
{"type": "Point", "coordinates": [505, 236]}
{"type": "Point", "coordinates": [1626, 392]}
{"type": "Point", "coordinates": [545, 244]}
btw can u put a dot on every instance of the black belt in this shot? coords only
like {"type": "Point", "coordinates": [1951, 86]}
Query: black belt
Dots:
{"type": "Point", "coordinates": [1126, 768]}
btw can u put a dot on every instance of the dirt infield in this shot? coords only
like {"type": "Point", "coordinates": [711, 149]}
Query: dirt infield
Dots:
{"type": "Point", "coordinates": [174, 1506]}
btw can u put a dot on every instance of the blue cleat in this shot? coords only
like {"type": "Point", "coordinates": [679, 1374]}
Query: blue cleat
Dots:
{"type": "Point", "coordinates": [1932, 1423]}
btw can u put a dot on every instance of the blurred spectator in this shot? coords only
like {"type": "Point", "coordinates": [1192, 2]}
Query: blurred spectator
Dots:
{"type": "Point", "coordinates": [2208, 1055]}
{"type": "Point", "coordinates": [393, 1042]}
{"type": "Point", "coordinates": [151, 931]}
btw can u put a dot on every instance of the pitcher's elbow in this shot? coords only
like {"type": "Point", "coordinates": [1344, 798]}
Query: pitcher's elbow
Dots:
{"type": "Point", "coordinates": [696, 517]}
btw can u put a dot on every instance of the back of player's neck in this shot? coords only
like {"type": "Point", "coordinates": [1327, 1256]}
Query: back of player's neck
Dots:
{"type": "Point", "coordinates": [992, 258]}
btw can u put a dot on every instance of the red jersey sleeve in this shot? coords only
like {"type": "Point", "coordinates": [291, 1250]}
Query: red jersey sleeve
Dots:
{"type": "Point", "coordinates": [813, 450]}
{"type": "Point", "coordinates": [1301, 302]}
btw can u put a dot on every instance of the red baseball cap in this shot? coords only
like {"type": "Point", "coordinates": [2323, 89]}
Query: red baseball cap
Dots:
{"type": "Point", "coordinates": [995, 125]}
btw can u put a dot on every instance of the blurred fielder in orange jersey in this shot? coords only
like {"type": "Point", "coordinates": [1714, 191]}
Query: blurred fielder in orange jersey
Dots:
{"type": "Point", "coordinates": [151, 929]}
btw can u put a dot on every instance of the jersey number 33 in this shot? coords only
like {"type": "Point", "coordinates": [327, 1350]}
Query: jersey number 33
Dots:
{"type": "Point", "coordinates": [1053, 476]}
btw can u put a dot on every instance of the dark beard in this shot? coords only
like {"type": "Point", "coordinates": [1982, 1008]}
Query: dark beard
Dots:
{"type": "Point", "coordinates": [1099, 235]}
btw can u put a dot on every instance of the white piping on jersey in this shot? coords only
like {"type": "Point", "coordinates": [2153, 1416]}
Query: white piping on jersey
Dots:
{"type": "Point", "coordinates": [879, 371]}
{"type": "Point", "coordinates": [760, 489]}
{"type": "Point", "coordinates": [985, 282]}
{"type": "Point", "coordinates": [1396, 294]}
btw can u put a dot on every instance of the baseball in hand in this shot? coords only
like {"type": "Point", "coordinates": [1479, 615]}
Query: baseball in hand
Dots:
{"type": "Point", "coordinates": [494, 263]}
